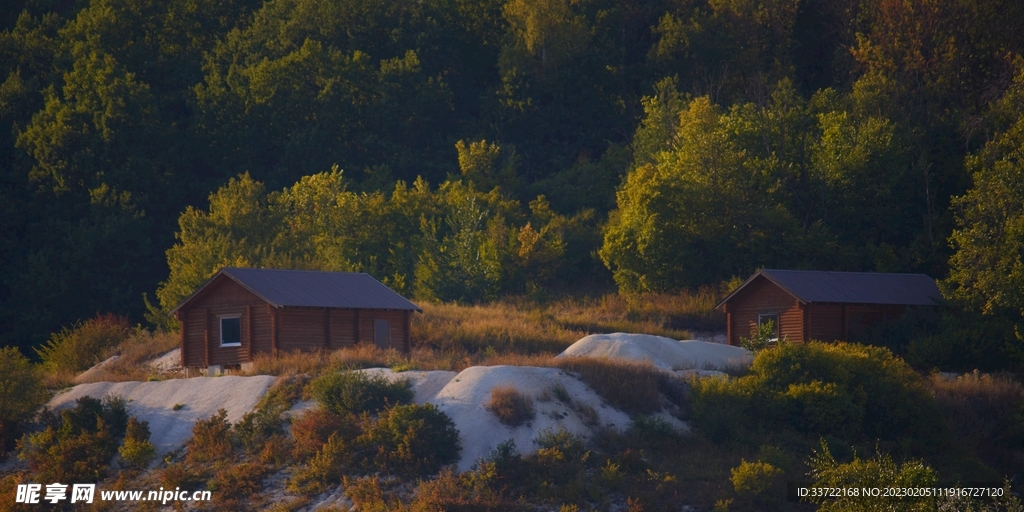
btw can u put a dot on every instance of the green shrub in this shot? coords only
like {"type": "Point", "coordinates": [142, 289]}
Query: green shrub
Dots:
{"type": "Point", "coordinates": [410, 440]}
{"type": "Point", "coordinates": [721, 408]}
{"type": "Point", "coordinates": [137, 450]}
{"type": "Point", "coordinates": [21, 393]}
{"type": "Point", "coordinates": [821, 407]}
{"type": "Point", "coordinates": [78, 444]}
{"type": "Point", "coordinates": [651, 429]}
{"type": "Point", "coordinates": [353, 392]}
{"type": "Point", "coordinates": [510, 406]}
{"type": "Point", "coordinates": [260, 424]}
{"type": "Point", "coordinates": [558, 469]}
{"type": "Point", "coordinates": [326, 466]}
{"type": "Point", "coordinates": [754, 478]}
{"type": "Point", "coordinates": [880, 471]}
{"type": "Point", "coordinates": [85, 344]}
{"type": "Point", "coordinates": [211, 439]}
{"type": "Point", "coordinates": [849, 391]}
{"type": "Point", "coordinates": [764, 337]}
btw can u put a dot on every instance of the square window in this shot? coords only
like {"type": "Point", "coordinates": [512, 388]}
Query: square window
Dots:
{"type": "Point", "coordinates": [230, 331]}
{"type": "Point", "coordinates": [774, 319]}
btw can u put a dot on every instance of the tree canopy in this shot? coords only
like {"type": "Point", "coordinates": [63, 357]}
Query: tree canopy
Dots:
{"type": "Point", "coordinates": [489, 142]}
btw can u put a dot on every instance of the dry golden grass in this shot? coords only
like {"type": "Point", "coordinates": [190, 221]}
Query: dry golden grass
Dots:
{"type": "Point", "coordinates": [521, 327]}
{"type": "Point", "coordinates": [983, 412]}
{"type": "Point", "coordinates": [360, 356]}
{"type": "Point", "coordinates": [630, 387]}
{"type": "Point", "coordinates": [510, 406]}
{"type": "Point", "coordinates": [138, 348]}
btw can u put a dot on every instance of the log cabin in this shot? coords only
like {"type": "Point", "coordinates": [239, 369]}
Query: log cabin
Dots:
{"type": "Point", "coordinates": [240, 312]}
{"type": "Point", "coordinates": [828, 306]}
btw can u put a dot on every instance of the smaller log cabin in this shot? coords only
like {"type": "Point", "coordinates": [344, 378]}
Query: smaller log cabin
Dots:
{"type": "Point", "coordinates": [827, 306]}
{"type": "Point", "coordinates": [240, 312]}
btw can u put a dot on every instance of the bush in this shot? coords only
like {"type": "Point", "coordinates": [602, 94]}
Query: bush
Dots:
{"type": "Point", "coordinates": [754, 478]}
{"type": "Point", "coordinates": [137, 450]}
{"type": "Point", "coordinates": [312, 430]}
{"type": "Point", "coordinates": [722, 408]}
{"type": "Point", "coordinates": [353, 392]}
{"type": "Point", "coordinates": [238, 483]}
{"type": "Point", "coordinates": [78, 444]}
{"type": "Point", "coordinates": [179, 475]}
{"type": "Point", "coordinates": [265, 421]}
{"type": "Point", "coordinates": [211, 439]}
{"type": "Point", "coordinates": [327, 465]}
{"type": "Point", "coordinates": [825, 389]}
{"type": "Point", "coordinates": [762, 339]}
{"type": "Point", "coordinates": [85, 344]}
{"type": "Point", "coordinates": [821, 407]}
{"type": "Point", "coordinates": [562, 440]}
{"type": "Point", "coordinates": [880, 472]}
{"type": "Point", "coordinates": [652, 429]}
{"type": "Point", "coordinates": [510, 406]}
{"type": "Point", "coordinates": [21, 393]}
{"type": "Point", "coordinates": [410, 440]}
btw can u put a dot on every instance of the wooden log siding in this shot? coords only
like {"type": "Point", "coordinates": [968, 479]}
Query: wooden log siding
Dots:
{"type": "Point", "coordinates": [184, 345]}
{"type": "Point", "coordinates": [327, 328]}
{"type": "Point", "coordinates": [300, 329]}
{"type": "Point", "coordinates": [765, 298]}
{"type": "Point", "coordinates": [408, 331]}
{"type": "Point", "coordinates": [274, 321]}
{"type": "Point", "coordinates": [355, 323]}
{"type": "Point", "coordinates": [206, 336]}
{"type": "Point", "coordinates": [343, 328]}
{"type": "Point", "coordinates": [249, 335]}
{"type": "Point", "coordinates": [825, 322]}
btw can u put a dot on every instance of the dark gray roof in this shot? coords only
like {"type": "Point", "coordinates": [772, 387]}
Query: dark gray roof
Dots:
{"type": "Point", "coordinates": [852, 287]}
{"type": "Point", "coordinates": [306, 288]}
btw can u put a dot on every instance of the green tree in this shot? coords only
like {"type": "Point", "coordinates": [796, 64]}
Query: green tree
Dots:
{"type": "Point", "coordinates": [702, 213]}
{"type": "Point", "coordinates": [21, 392]}
{"type": "Point", "coordinates": [238, 230]}
{"type": "Point", "coordinates": [466, 248]}
{"type": "Point", "coordinates": [987, 269]}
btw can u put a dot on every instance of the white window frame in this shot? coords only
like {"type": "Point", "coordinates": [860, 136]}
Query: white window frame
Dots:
{"type": "Point", "coordinates": [220, 330]}
{"type": "Point", "coordinates": [775, 317]}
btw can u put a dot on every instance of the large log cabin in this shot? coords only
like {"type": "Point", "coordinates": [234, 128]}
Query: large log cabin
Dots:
{"type": "Point", "coordinates": [828, 306]}
{"type": "Point", "coordinates": [240, 312]}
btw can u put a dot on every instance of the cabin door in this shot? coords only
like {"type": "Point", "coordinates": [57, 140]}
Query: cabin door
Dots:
{"type": "Point", "coordinates": [382, 333]}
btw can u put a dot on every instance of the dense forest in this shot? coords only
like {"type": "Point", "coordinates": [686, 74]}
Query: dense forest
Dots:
{"type": "Point", "coordinates": [467, 149]}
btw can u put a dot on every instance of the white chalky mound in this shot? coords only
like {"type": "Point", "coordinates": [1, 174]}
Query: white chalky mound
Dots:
{"type": "Point", "coordinates": [465, 400]}
{"type": "Point", "coordinates": [664, 353]}
{"type": "Point", "coordinates": [201, 397]}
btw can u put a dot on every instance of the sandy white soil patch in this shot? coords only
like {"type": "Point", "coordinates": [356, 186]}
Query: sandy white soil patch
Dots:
{"type": "Point", "coordinates": [663, 353]}
{"type": "Point", "coordinates": [168, 361]}
{"type": "Point", "coordinates": [98, 372]}
{"type": "Point", "coordinates": [200, 398]}
{"type": "Point", "coordinates": [465, 401]}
